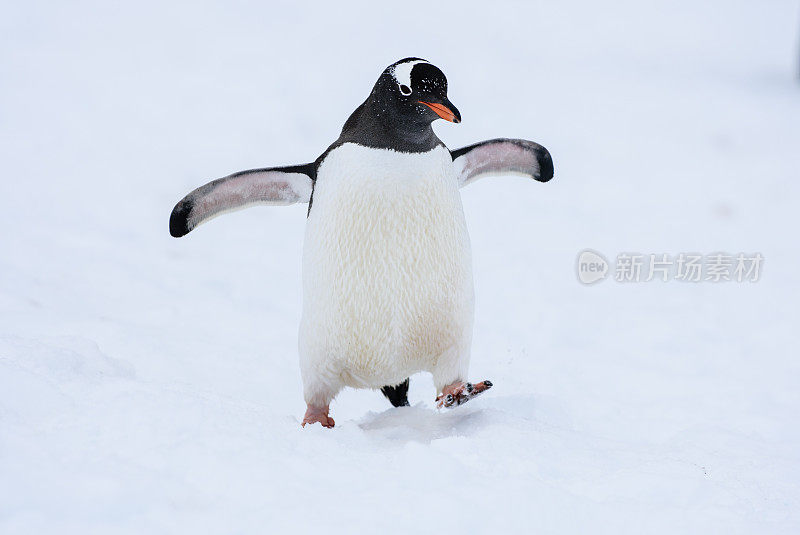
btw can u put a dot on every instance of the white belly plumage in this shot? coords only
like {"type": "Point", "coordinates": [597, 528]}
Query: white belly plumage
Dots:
{"type": "Point", "coordinates": [387, 279]}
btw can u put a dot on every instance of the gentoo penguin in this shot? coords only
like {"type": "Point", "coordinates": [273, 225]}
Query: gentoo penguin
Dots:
{"type": "Point", "coordinates": [387, 275]}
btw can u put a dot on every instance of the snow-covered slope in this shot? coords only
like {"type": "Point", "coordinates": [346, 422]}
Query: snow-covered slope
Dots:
{"type": "Point", "coordinates": [150, 385]}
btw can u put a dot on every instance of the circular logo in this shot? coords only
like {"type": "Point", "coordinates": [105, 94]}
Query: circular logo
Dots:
{"type": "Point", "coordinates": [592, 266]}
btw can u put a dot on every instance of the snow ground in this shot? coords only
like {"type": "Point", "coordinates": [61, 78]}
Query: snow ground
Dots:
{"type": "Point", "coordinates": [149, 384]}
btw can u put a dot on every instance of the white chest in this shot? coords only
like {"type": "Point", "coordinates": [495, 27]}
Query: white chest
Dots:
{"type": "Point", "coordinates": [387, 281]}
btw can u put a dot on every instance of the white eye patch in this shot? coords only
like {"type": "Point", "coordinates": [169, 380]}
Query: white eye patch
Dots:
{"type": "Point", "coordinates": [402, 74]}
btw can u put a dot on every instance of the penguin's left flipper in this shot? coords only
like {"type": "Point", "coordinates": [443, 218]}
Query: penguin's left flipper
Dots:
{"type": "Point", "coordinates": [501, 157]}
{"type": "Point", "coordinates": [459, 393]}
{"type": "Point", "coordinates": [272, 186]}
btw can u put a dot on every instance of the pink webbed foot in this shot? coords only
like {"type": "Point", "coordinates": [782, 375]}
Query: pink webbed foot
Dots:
{"type": "Point", "coordinates": [318, 415]}
{"type": "Point", "coordinates": [459, 393]}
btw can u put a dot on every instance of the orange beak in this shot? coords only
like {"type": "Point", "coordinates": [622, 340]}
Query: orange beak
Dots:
{"type": "Point", "coordinates": [442, 111]}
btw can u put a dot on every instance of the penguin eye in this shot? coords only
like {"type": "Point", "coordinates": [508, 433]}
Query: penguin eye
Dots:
{"type": "Point", "coordinates": [404, 89]}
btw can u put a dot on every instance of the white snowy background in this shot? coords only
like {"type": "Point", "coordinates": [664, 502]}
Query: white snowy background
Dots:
{"type": "Point", "coordinates": [151, 385]}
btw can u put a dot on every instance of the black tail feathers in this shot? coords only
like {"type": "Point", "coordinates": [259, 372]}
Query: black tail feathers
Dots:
{"type": "Point", "coordinates": [397, 395]}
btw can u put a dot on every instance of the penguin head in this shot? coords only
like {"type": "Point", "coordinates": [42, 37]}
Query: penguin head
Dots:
{"type": "Point", "coordinates": [416, 90]}
{"type": "Point", "coordinates": [408, 96]}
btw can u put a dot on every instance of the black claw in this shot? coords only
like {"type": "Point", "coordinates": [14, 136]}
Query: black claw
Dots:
{"type": "Point", "coordinates": [449, 399]}
{"type": "Point", "coordinates": [469, 387]}
{"type": "Point", "coordinates": [488, 384]}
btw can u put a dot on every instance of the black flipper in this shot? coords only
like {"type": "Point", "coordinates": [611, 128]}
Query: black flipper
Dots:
{"type": "Point", "coordinates": [500, 157]}
{"type": "Point", "coordinates": [397, 395]}
{"type": "Point", "coordinates": [275, 186]}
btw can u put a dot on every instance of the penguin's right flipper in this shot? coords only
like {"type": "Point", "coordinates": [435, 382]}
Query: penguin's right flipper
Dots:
{"type": "Point", "coordinates": [502, 157]}
{"type": "Point", "coordinates": [272, 186]}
